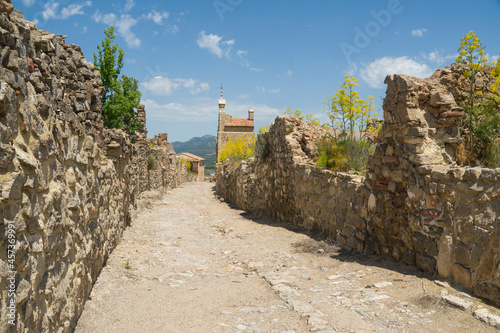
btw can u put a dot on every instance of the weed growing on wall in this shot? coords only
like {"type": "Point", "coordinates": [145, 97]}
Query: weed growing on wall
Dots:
{"type": "Point", "coordinates": [150, 162]}
{"type": "Point", "coordinates": [481, 127]}
{"type": "Point", "coordinates": [342, 153]}
{"type": "Point", "coordinates": [354, 127]}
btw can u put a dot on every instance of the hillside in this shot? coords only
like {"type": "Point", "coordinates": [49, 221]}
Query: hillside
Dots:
{"type": "Point", "coordinates": [201, 146]}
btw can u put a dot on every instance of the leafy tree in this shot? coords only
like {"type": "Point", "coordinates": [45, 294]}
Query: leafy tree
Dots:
{"type": "Point", "coordinates": [109, 62]}
{"type": "Point", "coordinates": [122, 95]}
{"type": "Point", "coordinates": [238, 149]}
{"type": "Point", "coordinates": [347, 111]}
{"type": "Point", "coordinates": [121, 105]}
{"type": "Point", "coordinates": [310, 118]}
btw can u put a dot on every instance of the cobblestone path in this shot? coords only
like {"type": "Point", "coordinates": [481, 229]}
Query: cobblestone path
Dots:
{"type": "Point", "coordinates": [190, 263]}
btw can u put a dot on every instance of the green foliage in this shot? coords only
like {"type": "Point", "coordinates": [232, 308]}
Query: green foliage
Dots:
{"type": "Point", "coordinates": [471, 52]}
{"type": "Point", "coordinates": [262, 147]}
{"type": "Point", "coordinates": [151, 145]}
{"type": "Point", "coordinates": [122, 95]}
{"type": "Point", "coordinates": [189, 166]}
{"type": "Point", "coordinates": [482, 110]}
{"type": "Point", "coordinates": [348, 112]}
{"type": "Point", "coordinates": [310, 118]}
{"type": "Point", "coordinates": [109, 62]}
{"type": "Point", "coordinates": [119, 111]}
{"type": "Point", "coordinates": [493, 154]}
{"type": "Point", "coordinates": [239, 149]}
{"type": "Point", "coordinates": [150, 162]}
{"type": "Point", "coordinates": [264, 129]}
{"type": "Point", "coordinates": [343, 154]}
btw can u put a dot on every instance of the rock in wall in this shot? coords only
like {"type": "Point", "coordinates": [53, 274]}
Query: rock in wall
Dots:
{"type": "Point", "coordinates": [414, 205]}
{"type": "Point", "coordinates": [67, 185]}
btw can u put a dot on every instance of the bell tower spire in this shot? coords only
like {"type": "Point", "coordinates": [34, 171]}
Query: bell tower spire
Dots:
{"type": "Point", "coordinates": [222, 123]}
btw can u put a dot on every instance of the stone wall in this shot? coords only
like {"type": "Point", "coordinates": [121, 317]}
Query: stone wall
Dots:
{"type": "Point", "coordinates": [67, 186]}
{"type": "Point", "coordinates": [414, 205]}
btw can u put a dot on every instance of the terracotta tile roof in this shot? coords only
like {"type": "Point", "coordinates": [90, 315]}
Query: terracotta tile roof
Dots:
{"type": "Point", "coordinates": [192, 157]}
{"type": "Point", "coordinates": [240, 122]}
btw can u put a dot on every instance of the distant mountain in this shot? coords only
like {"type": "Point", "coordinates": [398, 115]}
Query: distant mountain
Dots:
{"type": "Point", "coordinates": [201, 146]}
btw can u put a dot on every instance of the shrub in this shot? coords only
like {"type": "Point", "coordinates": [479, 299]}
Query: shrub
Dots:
{"type": "Point", "coordinates": [481, 127]}
{"type": "Point", "coordinates": [343, 154]}
{"type": "Point", "coordinates": [150, 162]}
{"type": "Point", "coordinates": [262, 147]}
{"type": "Point", "coordinates": [239, 149]}
{"type": "Point", "coordinates": [188, 166]}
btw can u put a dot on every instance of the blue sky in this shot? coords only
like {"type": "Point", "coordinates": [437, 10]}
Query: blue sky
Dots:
{"type": "Point", "coordinates": [269, 55]}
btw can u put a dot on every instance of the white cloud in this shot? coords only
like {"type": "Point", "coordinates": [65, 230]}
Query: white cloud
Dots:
{"type": "Point", "coordinates": [74, 9]}
{"type": "Point", "coordinates": [156, 17]}
{"type": "Point", "coordinates": [84, 30]}
{"type": "Point", "coordinates": [289, 73]}
{"type": "Point", "coordinates": [50, 10]}
{"type": "Point", "coordinates": [418, 32]}
{"type": "Point", "coordinates": [172, 29]}
{"type": "Point", "coordinates": [28, 3]}
{"type": "Point", "coordinates": [108, 19]}
{"type": "Point", "coordinates": [437, 58]}
{"type": "Point", "coordinates": [202, 110]}
{"type": "Point", "coordinates": [244, 96]}
{"type": "Point", "coordinates": [129, 5]}
{"type": "Point", "coordinates": [270, 91]}
{"type": "Point", "coordinates": [244, 61]}
{"type": "Point", "coordinates": [374, 73]}
{"type": "Point", "coordinates": [132, 61]}
{"type": "Point", "coordinates": [214, 44]}
{"type": "Point", "coordinates": [123, 26]}
{"type": "Point", "coordinates": [163, 86]}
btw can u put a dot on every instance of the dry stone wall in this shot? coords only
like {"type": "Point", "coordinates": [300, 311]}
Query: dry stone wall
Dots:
{"type": "Point", "coordinates": [414, 205]}
{"type": "Point", "coordinates": [67, 186]}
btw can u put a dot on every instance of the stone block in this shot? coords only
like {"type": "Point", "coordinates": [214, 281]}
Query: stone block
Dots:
{"type": "Point", "coordinates": [425, 262]}
{"type": "Point", "coordinates": [461, 275]}
{"type": "Point", "coordinates": [409, 256]}
{"type": "Point", "coordinates": [444, 259]}
{"type": "Point", "coordinates": [487, 266]}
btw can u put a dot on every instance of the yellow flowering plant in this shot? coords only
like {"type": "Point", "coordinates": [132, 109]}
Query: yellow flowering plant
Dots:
{"type": "Point", "coordinates": [482, 116]}
{"type": "Point", "coordinates": [238, 149]}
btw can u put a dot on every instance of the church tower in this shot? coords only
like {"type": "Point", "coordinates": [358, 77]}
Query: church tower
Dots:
{"type": "Point", "coordinates": [230, 128]}
{"type": "Point", "coordinates": [222, 120]}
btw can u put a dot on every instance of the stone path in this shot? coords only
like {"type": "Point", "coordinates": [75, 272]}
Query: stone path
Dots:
{"type": "Point", "coordinates": [190, 263]}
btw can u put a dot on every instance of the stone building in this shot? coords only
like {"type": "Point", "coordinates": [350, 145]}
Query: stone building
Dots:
{"type": "Point", "coordinates": [197, 165]}
{"type": "Point", "coordinates": [232, 128]}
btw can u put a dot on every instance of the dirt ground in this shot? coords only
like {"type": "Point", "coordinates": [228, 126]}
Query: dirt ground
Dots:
{"type": "Point", "coordinates": [190, 263]}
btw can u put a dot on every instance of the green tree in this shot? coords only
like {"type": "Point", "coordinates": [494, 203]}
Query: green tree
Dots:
{"type": "Point", "coordinates": [109, 62]}
{"type": "Point", "coordinates": [122, 95]}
